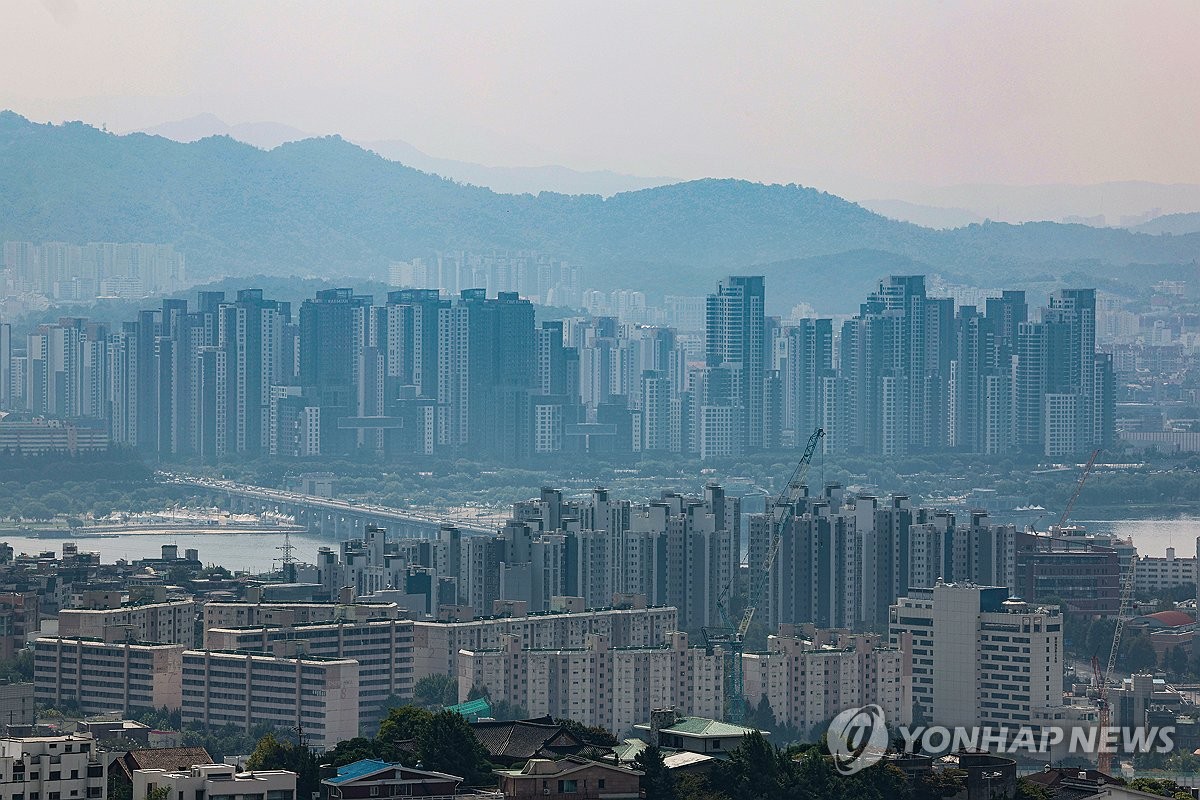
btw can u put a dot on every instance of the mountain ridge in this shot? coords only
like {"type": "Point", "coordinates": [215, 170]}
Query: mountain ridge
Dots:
{"type": "Point", "coordinates": [327, 206]}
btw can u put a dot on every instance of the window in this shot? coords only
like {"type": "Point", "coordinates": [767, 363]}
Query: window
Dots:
{"type": "Point", "coordinates": [568, 787]}
{"type": "Point", "coordinates": [374, 791]}
{"type": "Point", "coordinates": [600, 783]}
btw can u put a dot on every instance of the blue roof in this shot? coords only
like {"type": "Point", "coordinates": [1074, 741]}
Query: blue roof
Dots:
{"type": "Point", "coordinates": [358, 769]}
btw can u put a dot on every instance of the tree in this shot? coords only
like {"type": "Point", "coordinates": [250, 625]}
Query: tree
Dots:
{"type": "Point", "coordinates": [1138, 652]}
{"type": "Point", "coordinates": [762, 716]}
{"type": "Point", "coordinates": [36, 510]}
{"type": "Point", "coordinates": [1178, 661]}
{"type": "Point", "coordinates": [159, 793]}
{"type": "Point", "coordinates": [401, 725]}
{"type": "Point", "coordinates": [696, 787]}
{"type": "Point", "coordinates": [435, 692]}
{"type": "Point", "coordinates": [1159, 786]}
{"type": "Point", "coordinates": [504, 710]}
{"type": "Point", "coordinates": [939, 784]}
{"type": "Point", "coordinates": [272, 753]}
{"type": "Point", "coordinates": [449, 745]}
{"type": "Point", "coordinates": [269, 753]}
{"type": "Point", "coordinates": [1028, 790]}
{"type": "Point", "coordinates": [1099, 638]}
{"type": "Point", "coordinates": [657, 781]}
{"type": "Point", "coordinates": [352, 750]}
{"type": "Point", "coordinates": [755, 769]}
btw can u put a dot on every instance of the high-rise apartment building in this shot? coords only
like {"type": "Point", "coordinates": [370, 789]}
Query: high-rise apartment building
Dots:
{"type": "Point", "coordinates": [979, 658]}
{"type": "Point", "coordinates": [428, 374]}
{"type": "Point", "coordinates": [735, 342]}
{"type": "Point", "coordinates": [332, 332]}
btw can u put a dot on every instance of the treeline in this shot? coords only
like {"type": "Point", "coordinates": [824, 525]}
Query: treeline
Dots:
{"type": "Point", "coordinates": [42, 487]}
{"type": "Point", "coordinates": [1015, 479]}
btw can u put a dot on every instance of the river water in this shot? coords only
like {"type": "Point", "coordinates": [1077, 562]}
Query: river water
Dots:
{"type": "Point", "coordinates": [257, 552]}
{"type": "Point", "coordinates": [250, 552]}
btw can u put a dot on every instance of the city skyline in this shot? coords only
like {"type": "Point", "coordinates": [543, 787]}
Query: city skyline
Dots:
{"type": "Point", "coordinates": [429, 373]}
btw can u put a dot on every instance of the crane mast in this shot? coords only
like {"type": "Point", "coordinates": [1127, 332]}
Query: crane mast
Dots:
{"type": "Point", "coordinates": [1104, 758]}
{"type": "Point", "coordinates": [1087, 470]}
{"type": "Point", "coordinates": [732, 637]}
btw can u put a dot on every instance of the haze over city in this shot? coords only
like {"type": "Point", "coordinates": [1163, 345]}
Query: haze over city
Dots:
{"type": "Point", "coordinates": [599, 401]}
{"type": "Point", "coordinates": [850, 96]}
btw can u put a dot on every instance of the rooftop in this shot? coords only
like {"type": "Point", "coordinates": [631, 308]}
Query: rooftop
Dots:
{"type": "Point", "coordinates": [702, 726]}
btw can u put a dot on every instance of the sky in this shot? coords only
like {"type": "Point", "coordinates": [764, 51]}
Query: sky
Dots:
{"type": "Point", "coordinates": [907, 91]}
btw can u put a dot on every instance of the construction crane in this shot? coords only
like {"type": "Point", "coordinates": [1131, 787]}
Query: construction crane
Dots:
{"type": "Point", "coordinates": [1087, 470]}
{"type": "Point", "coordinates": [1124, 610]}
{"type": "Point", "coordinates": [732, 637]}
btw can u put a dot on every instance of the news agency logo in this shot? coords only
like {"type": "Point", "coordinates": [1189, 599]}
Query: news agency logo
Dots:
{"type": "Point", "coordinates": [857, 738]}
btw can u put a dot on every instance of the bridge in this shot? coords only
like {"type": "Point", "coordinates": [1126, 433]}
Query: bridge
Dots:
{"type": "Point", "coordinates": [336, 519]}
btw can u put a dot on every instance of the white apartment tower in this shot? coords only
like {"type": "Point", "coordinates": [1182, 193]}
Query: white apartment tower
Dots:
{"type": "Point", "coordinates": [979, 657]}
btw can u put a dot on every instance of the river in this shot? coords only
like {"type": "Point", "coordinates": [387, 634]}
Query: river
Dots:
{"type": "Point", "coordinates": [252, 552]}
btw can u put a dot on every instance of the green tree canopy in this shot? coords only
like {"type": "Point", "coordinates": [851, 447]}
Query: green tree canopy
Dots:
{"type": "Point", "coordinates": [435, 692]}
{"type": "Point", "coordinates": [449, 745]}
{"type": "Point", "coordinates": [657, 781]}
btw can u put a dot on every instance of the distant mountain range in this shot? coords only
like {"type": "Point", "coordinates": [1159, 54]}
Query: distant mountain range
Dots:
{"type": "Point", "coordinates": [328, 208]}
{"type": "Point", "coordinates": [1113, 204]}
{"type": "Point", "coordinates": [507, 180]}
{"type": "Point", "coordinates": [1171, 223]}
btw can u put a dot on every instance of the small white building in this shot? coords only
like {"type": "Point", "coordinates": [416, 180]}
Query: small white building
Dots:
{"type": "Point", "coordinates": [1152, 575]}
{"type": "Point", "coordinates": [215, 782]}
{"type": "Point", "coordinates": [52, 767]}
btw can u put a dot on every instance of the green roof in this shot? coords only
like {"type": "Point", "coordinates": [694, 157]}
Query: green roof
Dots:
{"type": "Point", "coordinates": [472, 709]}
{"type": "Point", "coordinates": [699, 726]}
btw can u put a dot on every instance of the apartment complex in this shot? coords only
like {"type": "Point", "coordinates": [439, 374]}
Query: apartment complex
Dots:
{"type": "Point", "coordinates": [383, 649]}
{"type": "Point", "coordinates": [598, 684]}
{"type": "Point", "coordinates": [101, 677]}
{"type": "Point", "coordinates": [843, 561]}
{"type": "Point", "coordinates": [171, 622]}
{"type": "Point", "coordinates": [318, 695]}
{"type": "Point", "coordinates": [473, 372]}
{"type": "Point", "coordinates": [276, 614]}
{"type": "Point", "coordinates": [809, 675]}
{"type": "Point", "coordinates": [437, 644]}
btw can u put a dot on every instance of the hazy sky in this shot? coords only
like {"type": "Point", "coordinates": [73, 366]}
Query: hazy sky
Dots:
{"type": "Point", "coordinates": [936, 92]}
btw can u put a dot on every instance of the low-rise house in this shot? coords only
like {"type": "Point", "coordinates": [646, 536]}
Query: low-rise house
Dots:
{"type": "Point", "coordinates": [569, 779]}
{"type": "Point", "coordinates": [515, 742]}
{"type": "Point", "coordinates": [370, 778]}
{"type": "Point", "coordinates": [167, 759]}
{"type": "Point", "coordinates": [671, 731]}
